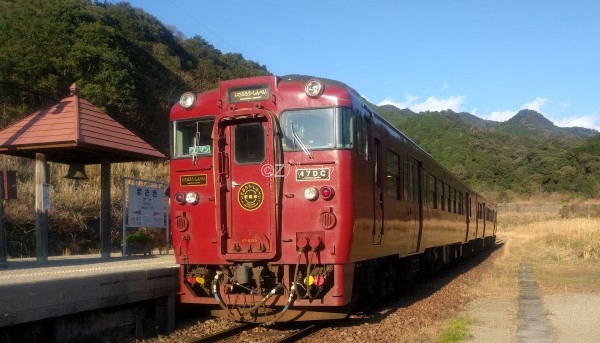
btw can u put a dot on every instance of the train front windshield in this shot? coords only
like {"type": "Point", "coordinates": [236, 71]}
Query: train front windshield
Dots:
{"type": "Point", "coordinates": [323, 128]}
{"type": "Point", "coordinates": [192, 138]}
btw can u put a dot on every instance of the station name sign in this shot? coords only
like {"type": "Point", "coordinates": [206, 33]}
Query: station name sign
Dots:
{"type": "Point", "coordinates": [249, 93]}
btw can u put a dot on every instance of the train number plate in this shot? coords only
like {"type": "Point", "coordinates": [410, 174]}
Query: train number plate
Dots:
{"type": "Point", "coordinates": [312, 174]}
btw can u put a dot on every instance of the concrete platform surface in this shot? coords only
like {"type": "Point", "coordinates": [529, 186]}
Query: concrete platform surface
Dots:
{"type": "Point", "coordinates": [65, 285]}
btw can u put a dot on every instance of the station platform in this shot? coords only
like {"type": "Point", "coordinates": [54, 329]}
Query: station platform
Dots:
{"type": "Point", "coordinates": [65, 285]}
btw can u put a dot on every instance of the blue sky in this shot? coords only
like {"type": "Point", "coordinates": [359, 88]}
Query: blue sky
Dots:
{"type": "Point", "coordinates": [488, 58]}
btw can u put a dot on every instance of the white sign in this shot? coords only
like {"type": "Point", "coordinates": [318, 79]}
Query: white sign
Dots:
{"type": "Point", "coordinates": [146, 207]}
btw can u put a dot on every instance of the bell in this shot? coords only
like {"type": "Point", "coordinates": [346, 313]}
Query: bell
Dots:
{"type": "Point", "coordinates": [76, 172]}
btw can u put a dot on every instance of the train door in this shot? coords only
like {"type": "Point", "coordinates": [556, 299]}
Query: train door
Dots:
{"type": "Point", "coordinates": [416, 203]}
{"type": "Point", "coordinates": [248, 216]}
{"type": "Point", "coordinates": [378, 194]}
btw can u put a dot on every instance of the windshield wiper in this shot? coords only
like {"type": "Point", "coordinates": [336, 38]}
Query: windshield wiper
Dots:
{"type": "Point", "coordinates": [300, 142]}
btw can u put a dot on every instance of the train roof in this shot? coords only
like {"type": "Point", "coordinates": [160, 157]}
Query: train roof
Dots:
{"type": "Point", "coordinates": [369, 106]}
{"type": "Point", "coordinates": [356, 98]}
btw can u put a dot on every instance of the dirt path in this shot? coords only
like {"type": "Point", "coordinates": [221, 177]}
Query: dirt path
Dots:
{"type": "Point", "coordinates": [571, 317]}
{"type": "Point", "coordinates": [493, 320]}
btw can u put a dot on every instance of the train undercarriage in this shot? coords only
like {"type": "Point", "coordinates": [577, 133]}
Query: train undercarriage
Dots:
{"type": "Point", "coordinates": [268, 293]}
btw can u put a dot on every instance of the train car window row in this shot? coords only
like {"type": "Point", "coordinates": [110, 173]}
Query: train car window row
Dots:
{"type": "Point", "coordinates": [402, 178]}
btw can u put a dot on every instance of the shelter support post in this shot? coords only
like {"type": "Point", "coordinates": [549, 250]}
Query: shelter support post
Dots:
{"type": "Point", "coordinates": [3, 254]}
{"type": "Point", "coordinates": [41, 212]}
{"type": "Point", "coordinates": [105, 209]}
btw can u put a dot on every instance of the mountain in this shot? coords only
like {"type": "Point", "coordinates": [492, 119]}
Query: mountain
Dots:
{"type": "Point", "coordinates": [477, 121]}
{"type": "Point", "coordinates": [530, 122]}
{"type": "Point", "coordinates": [525, 123]}
{"type": "Point", "coordinates": [525, 155]}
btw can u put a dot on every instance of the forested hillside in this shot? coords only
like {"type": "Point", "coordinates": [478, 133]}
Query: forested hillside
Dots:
{"type": "Point", "coordinates": [125, 61]}
{"type": "Point", "coordinates": [134, 67]}
{"type": "Point", "coordinates": [523, 156]}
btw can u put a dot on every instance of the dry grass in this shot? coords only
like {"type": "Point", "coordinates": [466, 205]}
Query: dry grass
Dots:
{"type": "Point", "coordinates": [74, 205]}
{"type": "Point", "coordinates": [564, 252]}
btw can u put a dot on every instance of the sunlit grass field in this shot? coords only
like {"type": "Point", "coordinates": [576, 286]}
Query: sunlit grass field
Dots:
{"type": "Point", "coordinates": [563, 247]}
{"type": "Point", "coordinates": [564, 253]}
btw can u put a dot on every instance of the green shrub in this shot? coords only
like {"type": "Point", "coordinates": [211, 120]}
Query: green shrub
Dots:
{"type": "Point", "coordinates": [138, 237]}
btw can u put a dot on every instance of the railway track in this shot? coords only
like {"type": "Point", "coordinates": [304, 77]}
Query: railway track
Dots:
{"type": "Point", "coordinates": [287, 334]}
{"type": "Point", "coordinates": [417, 303]}
{"type": "Point", "coordinates": [222, 336]}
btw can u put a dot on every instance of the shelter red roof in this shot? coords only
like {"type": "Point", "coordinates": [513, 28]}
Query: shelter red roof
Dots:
{"type": "Point", "coordinates": [74, 130]}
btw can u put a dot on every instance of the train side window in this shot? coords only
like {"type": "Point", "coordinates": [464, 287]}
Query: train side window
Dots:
{"type": "Point", "coordinates": [469, 209]}
{"type": "Point", "coordinates": [249, 143]}
{"type": "Point", "coordinates": [426, 190]}
{"type": "Point", "coordinates": [406, 177]}
{"type": "Point", "coordinates": [449, 198]}
{"type": "Point", "coordinates": [362, 135]}
{"type": "Point", "coordinates": [358, 133]}
{"type": "Point", "coordinates": [442, 190]}
{"type": "Point", "coordinates": [366, 129]}
{"type": "Point", "coordinates": [377, 163]}
{"type": "Point", "coordinates": [345, 127]}
{"type": "Point", "coordinates": [454, 200]}
{"type": "Point", "coordinates": [393, 174]}
{"type": "Point", "coordinates": [415, 181]}
{"type": "Point", "coordinates": [433, 188]}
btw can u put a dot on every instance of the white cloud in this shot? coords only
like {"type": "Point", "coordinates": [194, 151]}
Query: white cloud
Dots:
{"type": "Point", "coordinates": [583, 121]}
{"type": "Point", "coordinates": [504, 115]}
{"type": "Point", "coordinates": [445, 86]}
{"type": "Point", "coordinates": [535, 105]}
{"type": "Point", "coordinates": [501, 115]}
{"type": "Point", "coordinates": [432, 103]}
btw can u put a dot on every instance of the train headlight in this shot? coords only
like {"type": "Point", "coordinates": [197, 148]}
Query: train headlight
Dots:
{"type": "Point", "coordinates": [192, 198]}
{"type": "Point", "coordinates": [314, 88]}
{"type": "Point", "coordinates": [311, 193]}
{"type": "Point", "coordinates": [187, 100]}
{"type": "Point", "coordinates": [327, 192]}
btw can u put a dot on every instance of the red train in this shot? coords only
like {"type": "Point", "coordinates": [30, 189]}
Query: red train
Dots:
{"type": "Point", "coordinates": [291, 199]}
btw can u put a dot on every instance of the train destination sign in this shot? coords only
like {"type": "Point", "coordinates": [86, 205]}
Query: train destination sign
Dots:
{"type": "Point", "coordinates": [192, 180]}
{"type": "Point", "coordinates": [312, 174]}
{"type": "Point", "coordinates": [253, 93]}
